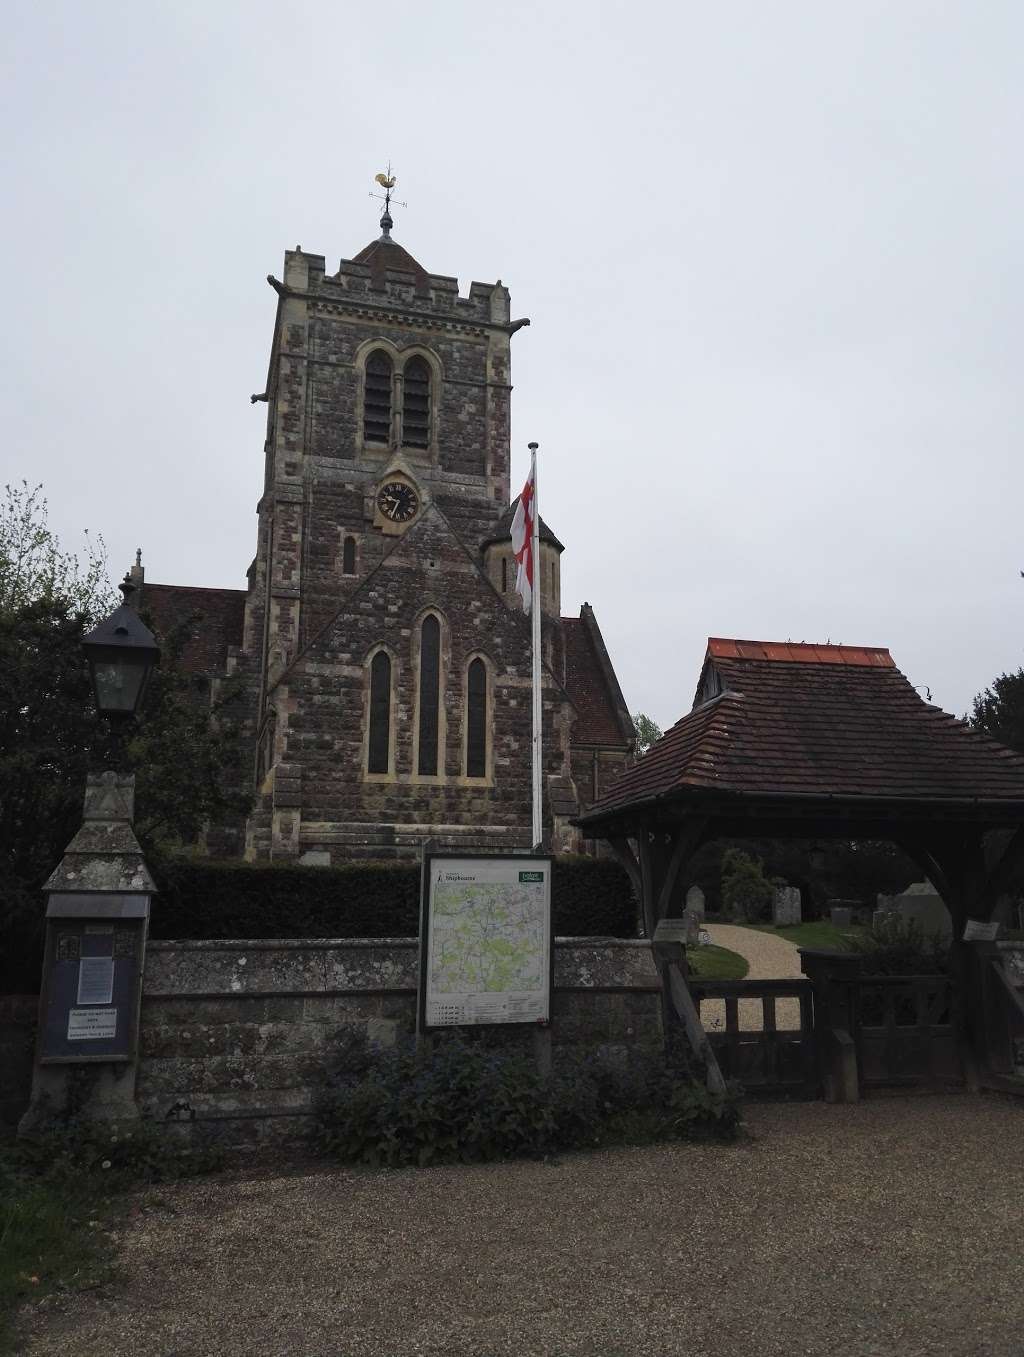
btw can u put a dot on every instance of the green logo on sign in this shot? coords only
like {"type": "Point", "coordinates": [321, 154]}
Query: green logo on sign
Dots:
{"type": "Point", "coordinates": [531, 876]}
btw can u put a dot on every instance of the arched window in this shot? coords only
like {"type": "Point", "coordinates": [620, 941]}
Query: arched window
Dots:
{"type": "Point", "coordinates": [377, 398]}
{"type": "Point", "coordinates": [348, 556]}
{"type": "Point", "coordinates": [416, 403]}
{"type": "Point", "coordinates": [430, 694]}
{"type": "Point", "coordinates": [379, 744]}
{"type": "Point", "coordinates": [476, 720]}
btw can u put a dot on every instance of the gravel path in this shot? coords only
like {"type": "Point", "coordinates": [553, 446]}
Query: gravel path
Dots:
{"type": "Point", "coordinates": [770, 958]}
{"type": "Point", "coordinates": [887, 1227]}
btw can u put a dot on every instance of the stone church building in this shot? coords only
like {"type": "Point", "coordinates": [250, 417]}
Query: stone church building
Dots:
{"type": "Point", "coordinates": [382, 653]}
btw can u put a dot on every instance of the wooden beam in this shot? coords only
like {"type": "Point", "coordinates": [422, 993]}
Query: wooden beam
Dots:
{"type": "Point", "coordinates": [1010, 860]}
{"type": "Point", "coordinates": [622, 851]}
{"type": "Point", "coordinates": [687, 839]}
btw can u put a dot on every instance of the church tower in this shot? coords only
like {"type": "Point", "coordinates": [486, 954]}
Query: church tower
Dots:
{"type": "Point", "coordinates": [384, 654]}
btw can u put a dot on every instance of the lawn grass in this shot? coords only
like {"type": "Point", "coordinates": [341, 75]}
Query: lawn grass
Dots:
{"type": "Point", "coordinates": [819, 933]}
{"type": "Point", "coordinates": [716, 963]}
{"type": "Point", "coordinates": [50, 1237]}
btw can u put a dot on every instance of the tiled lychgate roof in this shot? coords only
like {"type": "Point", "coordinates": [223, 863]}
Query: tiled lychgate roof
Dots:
{"type": "Point", "coordinates": [822, 722]}
{"type": "Point", "coordinates": [601, 715]}
{"type": "Point", "coordinates": [221, 620]}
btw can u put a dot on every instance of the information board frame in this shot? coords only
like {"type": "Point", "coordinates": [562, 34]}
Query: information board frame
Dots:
{"type": "Point", "coordinates": [91, 926]}
{"type": "Point", "coordinates": [519, 862]}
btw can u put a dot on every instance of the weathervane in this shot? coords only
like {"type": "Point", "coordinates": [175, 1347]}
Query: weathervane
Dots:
{"type": "Point", "coordinates": [387, 182]}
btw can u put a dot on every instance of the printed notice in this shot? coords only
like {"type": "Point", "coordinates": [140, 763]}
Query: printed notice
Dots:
{"type": "Point", "coordinates": [95, 980]}
{"type": "Point", "coordinates": [92, 1024]}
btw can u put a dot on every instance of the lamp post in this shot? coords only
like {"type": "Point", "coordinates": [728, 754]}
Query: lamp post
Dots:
{"type": "Point", "coordinates": [97, 911]}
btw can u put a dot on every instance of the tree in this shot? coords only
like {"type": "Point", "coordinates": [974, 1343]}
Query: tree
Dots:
{"type": "Point", "coordinates": [35, 570]}
{"type": "Point", "coordinates": [187, 766]}
{"type": "Point", "coordinates": [747, 893]}
{"type": "Point", "coordinates": [999, 710]}
{"type": "Point", "coordinates": [647, 732]}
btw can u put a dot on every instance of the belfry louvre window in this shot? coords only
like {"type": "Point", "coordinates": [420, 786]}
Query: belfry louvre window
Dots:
{"type": "Point", "coordinates": [377, 398]}
{"type": "Point", "coordinates": [379, 745]}
{"type": "Point", "coordinates": [476, 720]}
{"type": "Point", "coordinates": [430, 693]}
{"type": "Point", "coordinates": [416, 403]}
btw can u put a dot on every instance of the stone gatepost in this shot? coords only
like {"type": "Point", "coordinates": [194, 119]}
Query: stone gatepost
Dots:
{"type": "Point", "coordinates": [97, 917]}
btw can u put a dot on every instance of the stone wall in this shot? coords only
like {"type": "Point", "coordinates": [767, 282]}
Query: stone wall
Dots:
{"type": "Point", "coordinates": [237, 1036]}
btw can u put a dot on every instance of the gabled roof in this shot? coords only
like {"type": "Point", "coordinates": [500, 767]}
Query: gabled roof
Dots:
{"type": "Point", "coordinates": [602, 717]}
{"type": "Point", "coordinates": [820, 722]}
{"type": "Point", "coordinates": [221, 624]}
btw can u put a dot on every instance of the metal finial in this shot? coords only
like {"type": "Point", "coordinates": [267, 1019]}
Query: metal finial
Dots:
{"type": "Point", "coordinates": [387, 182]}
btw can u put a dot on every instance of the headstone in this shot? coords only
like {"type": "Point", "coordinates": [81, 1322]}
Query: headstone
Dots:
{"type": "Point", "coordinates": [692, 921]}
{"type": "Point", "coordinates": [786, 906]}
{"type": "Point", "coordinates": [921, 907]}
{"type": "Point", "coordinates": [695, 901]}
{"type": "Point", "coordinates": [841, 916]}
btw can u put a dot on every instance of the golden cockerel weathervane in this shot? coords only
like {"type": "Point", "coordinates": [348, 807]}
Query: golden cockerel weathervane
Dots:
{"type": "Point", "coordinates": [387, 182]}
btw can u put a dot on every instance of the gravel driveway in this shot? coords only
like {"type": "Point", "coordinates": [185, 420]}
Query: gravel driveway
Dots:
{"type": "Point", "coordinates": [769, 958]}
{"type": "Point", "coordinates": [887, 1227]}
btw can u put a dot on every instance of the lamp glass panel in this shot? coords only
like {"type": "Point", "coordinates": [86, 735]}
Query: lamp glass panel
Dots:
{"type": "Point", "coordinates": [118, 680]}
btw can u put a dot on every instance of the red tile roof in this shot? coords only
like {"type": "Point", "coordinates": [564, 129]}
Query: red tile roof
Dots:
{"type": "Point", "coordinates": [798, 652]}
{"type": "Point", "coordinates": [830, 725]}
{"type": "Point", "coordinates": [219, 624]}
{"type": "Point", "coordinates": [382, 255]}
{"type": "Point", "coordinates": [601, 713]}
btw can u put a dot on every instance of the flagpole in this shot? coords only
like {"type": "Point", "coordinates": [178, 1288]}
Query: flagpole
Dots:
{"type": "Point", "coordinates": [535, 612]}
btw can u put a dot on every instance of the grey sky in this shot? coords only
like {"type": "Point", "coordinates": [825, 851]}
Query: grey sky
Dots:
{"type": "Point", "coordinates": [771, 252]}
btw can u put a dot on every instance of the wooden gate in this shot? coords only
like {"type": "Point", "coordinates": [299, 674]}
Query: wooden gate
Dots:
{"type": "Point", "coordinates": [904, 1031]}
{"type": "Point", "coordinates": [762, 1032]}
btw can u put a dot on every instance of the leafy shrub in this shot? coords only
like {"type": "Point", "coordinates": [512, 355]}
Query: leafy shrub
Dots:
{"type": "Point", "coordinates": [898, 948]}
{"type": "Point", "coordinates": [746, 892]}
{"type": "Point", "coordinates": [202, 899]}
{"type": "Point", "coordinates": [76, 1150]}
{"type": "Point", "coordinates": [463, 1099]}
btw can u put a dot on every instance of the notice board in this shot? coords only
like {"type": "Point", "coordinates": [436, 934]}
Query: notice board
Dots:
{"type": "Point", "coordinates": [485, 941]}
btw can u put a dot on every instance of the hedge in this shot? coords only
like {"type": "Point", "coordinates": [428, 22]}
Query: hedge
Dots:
{"type": "Point", "coordinates": [202, 899]}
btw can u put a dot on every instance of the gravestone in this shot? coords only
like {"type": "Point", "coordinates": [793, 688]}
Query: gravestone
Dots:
{"type": "Point", "coordinates": [692, 921]}
{"type": "Point", "coordinates": [695, 901]}
{"type": "Point", "coordinates": [841, 916]}
{"type": "Point", "coordinates": [921, 907]}
{"type": "Point", "coordinates": [786, 906]}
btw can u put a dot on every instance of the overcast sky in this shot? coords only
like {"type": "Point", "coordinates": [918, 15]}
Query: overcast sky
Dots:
{"type": "Point", "coordinates": [771, 252]}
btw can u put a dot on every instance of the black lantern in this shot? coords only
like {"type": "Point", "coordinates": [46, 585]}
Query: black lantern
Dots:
{"type": "Point", "coordinates": [121, 652]}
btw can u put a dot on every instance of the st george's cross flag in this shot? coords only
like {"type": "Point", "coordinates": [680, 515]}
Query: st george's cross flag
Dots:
{"type": "Point", "coordinates": [522, 540]}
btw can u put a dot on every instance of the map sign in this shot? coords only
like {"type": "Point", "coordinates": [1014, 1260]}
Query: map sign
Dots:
{"type": "Point", "coordinates": [486, 944]}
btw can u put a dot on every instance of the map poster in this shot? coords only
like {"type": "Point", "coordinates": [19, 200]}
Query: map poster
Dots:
{"type": "Point", "coordinates": [485, 943]}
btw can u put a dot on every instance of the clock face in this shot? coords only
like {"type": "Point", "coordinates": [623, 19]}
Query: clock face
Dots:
{"type": "Point", "coordinates": [397, 501]}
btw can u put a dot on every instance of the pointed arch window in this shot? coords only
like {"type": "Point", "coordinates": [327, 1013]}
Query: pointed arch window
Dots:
{"type": "Point", "coordinates": [348, 556]}
{"type": "Point", "coordinates": [476, 719]}
{"type": "Point", "coordinates": [416, 403]}
{"type": "Point", "coordinates": [377, 398]}
{"type": "Point", "coordinates": [379, 742]}
{"type": "Point", "coordinates": [430, 696]}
